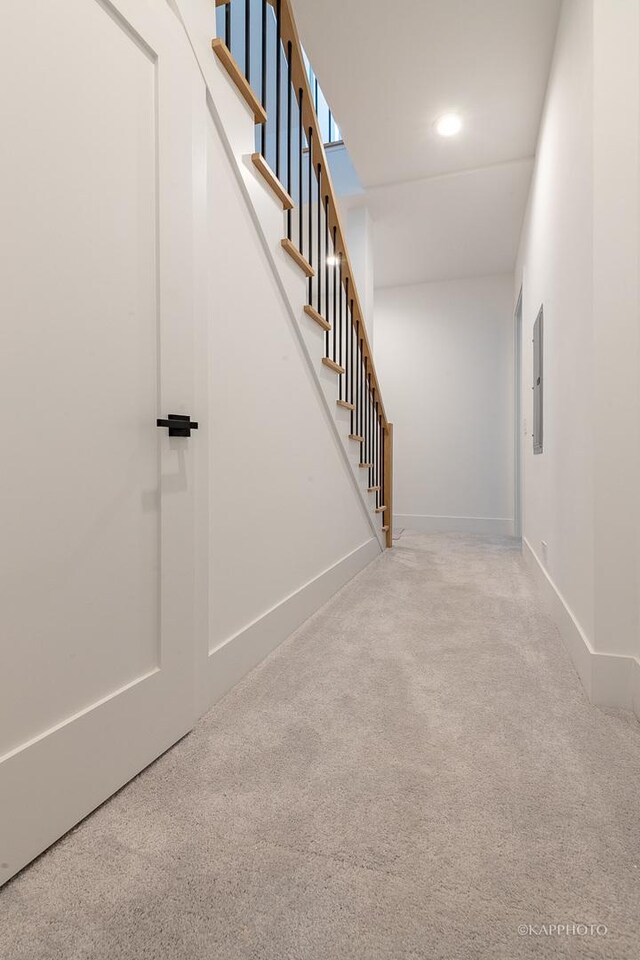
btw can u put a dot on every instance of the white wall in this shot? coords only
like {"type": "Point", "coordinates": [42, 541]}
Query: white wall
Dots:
{"type": "Point", "coordinates": [283, 520]}
{"type": "Point", "coordinates": [283, 507]}
{"type": "Point", "coordinates": [579, 257]}
{"type": "Point", "coordinates": [359, 240]}
{"type": "Point", "coordinates": [444, 352]}
{"type": "Point", "coordinates": [555, 268]}
{"type": "Point", "coordinates": [346, 182]}
{"type": "Point", "coordinates": [616, 322]}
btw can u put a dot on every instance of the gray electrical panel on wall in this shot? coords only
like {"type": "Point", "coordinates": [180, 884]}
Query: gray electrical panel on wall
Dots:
{"type": "Point", "coordinates": [538, 427]}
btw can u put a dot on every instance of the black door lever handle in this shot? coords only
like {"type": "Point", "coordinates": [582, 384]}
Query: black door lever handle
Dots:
{"type": "Point", "coordinates": [178, 425]}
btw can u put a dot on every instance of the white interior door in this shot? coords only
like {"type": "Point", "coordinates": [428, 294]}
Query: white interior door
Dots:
{"type": "Point", "coordinates": [97, 102]}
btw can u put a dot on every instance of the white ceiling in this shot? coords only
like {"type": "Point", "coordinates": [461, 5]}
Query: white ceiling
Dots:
{"type": "Point", "coordinates": [441, 228]}
{"type": "Point", "coordinates": [389, 70]}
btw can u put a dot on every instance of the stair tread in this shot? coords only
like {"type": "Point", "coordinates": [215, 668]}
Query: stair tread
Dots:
{"type": "Point", "coordinates": [271, 180]}
{"type": "Point", "coordinates": [295, 255]}
{"type": "Point", "coordinates": [319, 319]}
{"type": "Point", "coordinates": [237, 77]}
{"type": "Point", "coordinates": [345, 404]}
{"type": "Point", "coordinates": [380, 509]}
{"type": "Point", "coordinates": [328, 362]}
{"type": "Point", "coordinates": [365, 464]}
{"type": "Point", "coordinates": [372, 489]}
{"type": "Point", "coordinates": [356, 436]}
{"type": "Point", "coordinates": [385, 528]}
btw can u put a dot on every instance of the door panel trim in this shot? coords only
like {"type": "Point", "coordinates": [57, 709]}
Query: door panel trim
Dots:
{"type": "Point", "coordinates": [69, 771]}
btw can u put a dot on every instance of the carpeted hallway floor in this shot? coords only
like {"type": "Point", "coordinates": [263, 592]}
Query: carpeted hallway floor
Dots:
{"type": "Point", "coordinates": [411, 776]}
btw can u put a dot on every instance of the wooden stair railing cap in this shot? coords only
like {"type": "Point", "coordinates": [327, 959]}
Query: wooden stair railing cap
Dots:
{"type": "Point", "coordinates": [289, 32]}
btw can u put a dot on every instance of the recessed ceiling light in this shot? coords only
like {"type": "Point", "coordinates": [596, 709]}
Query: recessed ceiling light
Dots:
{"type": "Point", "coordinates": [449, 124]}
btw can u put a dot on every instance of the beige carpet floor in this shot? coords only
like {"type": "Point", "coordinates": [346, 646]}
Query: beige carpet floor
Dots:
{"type": "Point", "coordinates": [416, 773]}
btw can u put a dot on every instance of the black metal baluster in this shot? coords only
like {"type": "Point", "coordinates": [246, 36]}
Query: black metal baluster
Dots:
{"type": "Point", "coordinates": [363, 431]}
{"type": "Point", "coordinates": [300, 191]}
{"type": "Point", "coordinates": [247, 40]}
{"type": "Point", "coordinates": [319, 238]}
{"type": "Point", "coordinates": [227, 24]}
{"type": "Point", "coordinates": [356, 391]}
{"type": "Point", "coordinates": [335, 277]}
{"type": "Point", "coordinates": [310, 207]}
{"type": "Point", "coordinates": [326, 273]}
{"type": "Point", "coordinates": [367, 442]}
{"type": "Point", "coordinates": [363, 424]}
{"type": "Point", "coordinates": [370, 427]}
{"type": "Point", "coordinates": [382, 477]}
{"type": "Point", "coordinates": [359, 400]}
{"type": "Point", "coordinates": [373, 436]}
{"type": "Point", "coordinates": [375, 447]}
{"type": "Point", "coordinates": [347, 366]}
{"type": "Point", "coordinates": [263, 81]}
{"type": "Point", "coordinates": [379, 501]}
{"type": "Point", "coordinates": [278, 81]}
{"type": "Point", "coordinates": [379, 470]}
{"type": "Point", "coordinates": [367, 409]}
{"type": "Point", "coordinates": [360, 376]}
{"type": "Point", "coordinates": [371, 453]}
{"type": "Point", "coordinates": [380, 460]}
{"type": "Point", "coordinates": [340, 322]}
{"type": "Point", "coordinates": [289, 128]}
{"type": "Point", "coordinates": [367, 406]}
{"type": "Point", "coordinates": [356, 399]}
{"type": "Point", "coordinates": [353, 353]}
{"type": "Point", "coordinates": [331, 295]}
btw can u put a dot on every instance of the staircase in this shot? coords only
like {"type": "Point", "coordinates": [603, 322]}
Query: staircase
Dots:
{"type": "Point", "coordinates": [261, 57]}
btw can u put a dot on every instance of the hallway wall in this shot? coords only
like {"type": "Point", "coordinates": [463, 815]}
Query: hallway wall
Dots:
{"type": "Point", "coordinates": [616, 311]}
{"type": "Point", "coordinates": [444, 352]}
{"type": "Point", "coordinates": [359, 240]}
{"type": "Point", "coordinates": [555, 268]}
{"type": "Point", "coordinates": [283, 520]}
{"type": "Point", "coordinates": [579, 258]}
{"type": "Point", "coordinates": [283, 508]}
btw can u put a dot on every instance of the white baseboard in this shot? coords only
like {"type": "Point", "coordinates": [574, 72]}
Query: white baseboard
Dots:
{"type": "Point", "coordinates": [610, 680]}
{"type": "Point", "coordinates": [424, 523]}
{"type": "Point", "coordinates": [235, 657]}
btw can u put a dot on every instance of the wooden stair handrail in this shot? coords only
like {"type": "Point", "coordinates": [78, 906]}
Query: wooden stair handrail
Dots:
{"type": "Point", "coordinates": [289, 32]}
